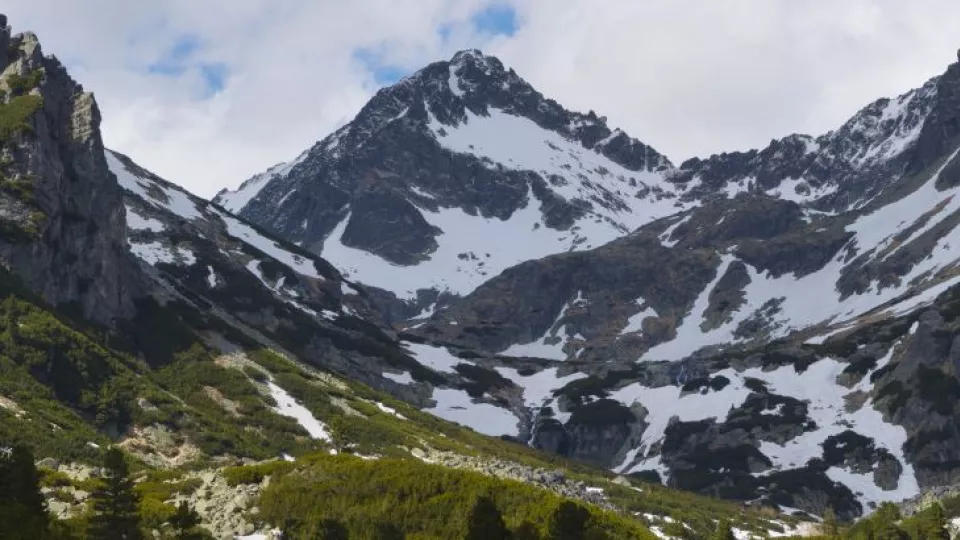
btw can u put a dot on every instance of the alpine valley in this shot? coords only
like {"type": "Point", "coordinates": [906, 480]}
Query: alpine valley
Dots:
{"type": "Point", "coordinates": [770, 334]}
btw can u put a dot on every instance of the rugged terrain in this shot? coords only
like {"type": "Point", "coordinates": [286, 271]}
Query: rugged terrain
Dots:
{"type": "Point", "coordinates": [773, 324]}
{"type": "Point", "coordinates": [227, 362]}
{"type": "Point", "coordinates": [775, 327]}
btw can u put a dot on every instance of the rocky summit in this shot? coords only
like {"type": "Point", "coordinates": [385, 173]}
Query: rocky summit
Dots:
{"type": "Point", "coordinates": [474, 290]}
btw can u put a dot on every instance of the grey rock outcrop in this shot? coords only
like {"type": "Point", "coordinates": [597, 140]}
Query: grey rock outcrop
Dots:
{"type": "Point", "coordinates": [61, 204]}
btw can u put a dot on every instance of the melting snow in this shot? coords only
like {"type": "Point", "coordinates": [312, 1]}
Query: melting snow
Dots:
{"type": "Point", "coordinates": [435, 358]}
{"type": "Point", "coordinates": [689, 336]}
{"type": "Point", "coordinates": [170, 199]}
{"type": "Point", "coordinates": [248, 234]}
{"type": "Point", "coordinates": [211, 277]}
{"type": "Point", "coordinates": [457, 406]}
{"type": "Point", "coordinates": [635, 322]}
{"type": "Point", "coordinates": [826, 406]}
{"type": "Point", "coordinates": [234, 201]}
{"type": "Point", "coordinates": [556, 333]}
{"type": "Point", "coordinates": [665, 237]}
{"type": "Point", "coordinates": [155, 252]}
{"type": "Point", "coordinates": [137, 222]}
{"type": "Point", "coordinates": [287, 406]}
{"type": "Point", "coordinates": [390, 410]}
{"type": "Point", "coordinates": [402, 378]}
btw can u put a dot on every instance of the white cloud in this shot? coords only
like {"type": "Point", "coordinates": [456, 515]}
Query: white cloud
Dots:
{"type": "Point", "coordinates": [690, 79]}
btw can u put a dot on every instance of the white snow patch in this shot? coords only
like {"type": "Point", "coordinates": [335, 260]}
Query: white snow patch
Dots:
{"type": "Point", "coordinates": [689, 336]}
{"type": "Point", "coordinates": [556, 334]}
{"type": "Point", "coordinates": [234, 201]}
{"type": "Point", "coordinates": [211, 277]}
{"type": "Point", "coordinates": [788, 191]}
{"type": "Point", "coordinates": [457, 406]}
{"type": "Point", "coordinates": [390, 410]}
{"type": "Point", "coordinates": [635, 322]}
{"type": "Point", "coordinates": [139, 223]}
{"type": "Point", "coordinates": [248, 234]}
{"type": "Point", "coordinates": [435, 358]}
{"type": "Point", "coordinates": [287, 406]}
{"type": "Point", "coordinates": [665, 237]}
{"type": "Point", "coordinates": [539, 387]}
{"type": "Point", "coordinates": [154, 253]}
{"type": "Point", "coordinates": [401, 378]}
{"type": "Point", "coordinates": [170, 199]}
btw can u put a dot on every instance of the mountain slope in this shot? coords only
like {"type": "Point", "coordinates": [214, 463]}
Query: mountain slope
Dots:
{"type": "Point", "coordinates": [218, 350]}
{"type": "Point", "coordinates": [723, 291]}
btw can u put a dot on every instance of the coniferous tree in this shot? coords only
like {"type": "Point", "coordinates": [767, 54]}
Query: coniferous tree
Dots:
{"type": "Point", "coordinates": [568, 522]}
{"type": "Point", "coordinates": [933, 523]}
{"type": "Point", "coordinates": [724, 531]}
{"type": "Point", "coordinates": [331, 529]}
{"type": "Point", "coordinates": [830, 528]}
{"type": "Point", "coordinates": [485, 522]}
{"type": "Point", "coordinates": [115, 503]}
{"type": "Point", "coordinates": [23, 510]}
{"type": "Point", "coordinates": [526, 531]}
{"type": "Point", "coordinates": [185, 522]}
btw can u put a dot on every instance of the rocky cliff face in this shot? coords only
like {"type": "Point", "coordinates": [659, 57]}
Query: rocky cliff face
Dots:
{"type": "Point", "coordinates": [60, 206]}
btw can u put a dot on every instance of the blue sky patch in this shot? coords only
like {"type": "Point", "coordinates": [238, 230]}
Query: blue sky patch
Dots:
{"type": "Point", "coordinates": [383, 74]}
{"type": "Point", "coordinates": [498, 19]}
{"type": "Point", "coordinates": [180, 58]}
{"type": "Point", "coordinates": [175, 61]}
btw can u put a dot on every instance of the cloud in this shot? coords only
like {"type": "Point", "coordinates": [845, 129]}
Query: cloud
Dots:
{"type": "Point", "coordinates": [206, 96]}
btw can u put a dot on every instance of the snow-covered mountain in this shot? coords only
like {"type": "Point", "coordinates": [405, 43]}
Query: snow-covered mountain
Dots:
{"type": "Point", "coordinates": [759, 324]}
{"type": "Point", "coordinates": [455, 174]}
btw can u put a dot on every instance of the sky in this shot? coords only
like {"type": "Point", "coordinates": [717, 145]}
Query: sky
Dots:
{"type": "Point", "coordinates": [207, 93]}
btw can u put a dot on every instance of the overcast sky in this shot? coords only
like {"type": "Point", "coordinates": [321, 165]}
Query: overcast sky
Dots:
{"type": "Point", "coordinates": [209, 92]}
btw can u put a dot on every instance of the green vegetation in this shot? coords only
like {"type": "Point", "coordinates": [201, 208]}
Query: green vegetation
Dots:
{"type": "Point", "coordinates": [23, 511]}
{"type": "Point", "coordinates": [15, 116]}
{"type": "Point", "coordinates": [116, 504]}
{"type": "Point", "coordinates": [20, 84]}
{"type": "Point", "coordinates": [419, 499]}
{"type": "Point", "coordinates": [485, 521]}
{"type": "Point", "coordinates": [886, 523]}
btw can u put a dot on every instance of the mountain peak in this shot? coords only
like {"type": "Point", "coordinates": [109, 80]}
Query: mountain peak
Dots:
{"type": "Point", "coordinates": [466, 55]}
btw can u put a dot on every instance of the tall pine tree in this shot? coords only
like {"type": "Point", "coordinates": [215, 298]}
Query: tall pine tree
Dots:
{"type": "Point", "coordinates": [115, 503]}
{"type": "Point", "coordinates": [723, 532]}
{"type": "Point", "coordinates": [23, 510]}
{"type": "Point", "coordinates": [485, 522]}
{"type": "Point", "coordinates": [568, 522]}
{"type": "Point", "coordinates": [185, 522]}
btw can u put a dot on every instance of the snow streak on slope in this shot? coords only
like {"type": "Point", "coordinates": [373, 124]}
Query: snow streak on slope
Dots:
{"type": "Point", "coordinates": [288, 406]}
{"type": "Point", "coordinates": [154, 253]}
{"type": "Point", "coordinates": [248, 234]}
{"type": "Point", "coordinates": [154, 193]}
{"type": "Point", "coordinates": [550, 345]}
{"type": "Point", "coordinates": [538, 388]}
{"type": "Point", "coordinates": [139, 223]}
{"type": "Point", "coordinates": [457, 406]}
{"type": "Point", "coordinates": [234, 201]}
